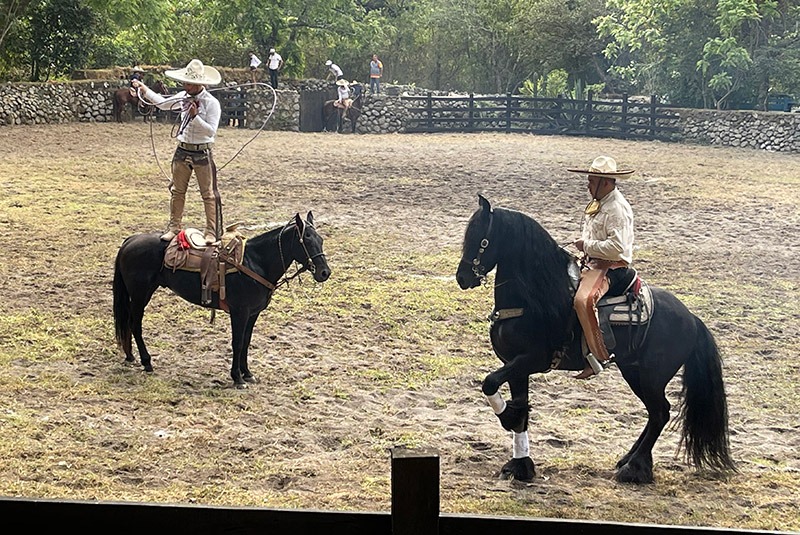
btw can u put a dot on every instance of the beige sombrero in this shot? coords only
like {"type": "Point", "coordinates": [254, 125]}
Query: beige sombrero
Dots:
{"type": "Point", "coordinates": [196, 73]}
{"type": "Point", "coordinates": [604, 166]}
{"type": "Point", "coordinates": [342, 82]}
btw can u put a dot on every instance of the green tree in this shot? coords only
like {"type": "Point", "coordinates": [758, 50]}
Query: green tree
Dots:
{"type": "Point", "coordinates": [61, 36]}
{"type": "Point", "coordinates": [702, 52]}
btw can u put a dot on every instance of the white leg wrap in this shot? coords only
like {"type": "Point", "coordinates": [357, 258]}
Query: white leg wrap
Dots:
{"type": "Point", "coordinates": [521, 446]}
{"type": "Point", "coordinates": [496, 402]}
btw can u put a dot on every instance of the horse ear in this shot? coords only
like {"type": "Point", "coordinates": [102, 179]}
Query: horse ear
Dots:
{"type": "Point", "coordinates": [298, 222]}
{"type": "Point", "coordinates": [310, 218]}
{"type": "Point", "coordinates": [484, 203]}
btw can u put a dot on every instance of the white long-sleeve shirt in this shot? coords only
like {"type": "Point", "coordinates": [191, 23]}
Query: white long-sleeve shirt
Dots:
{"type": "Point", "coordinates": [201, 129]}
{"type": "Point", "coordinates": [608, 234]}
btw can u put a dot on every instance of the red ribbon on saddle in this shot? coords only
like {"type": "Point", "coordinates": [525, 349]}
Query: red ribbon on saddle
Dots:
{"type": "Point", "coordinates": [183, 242]}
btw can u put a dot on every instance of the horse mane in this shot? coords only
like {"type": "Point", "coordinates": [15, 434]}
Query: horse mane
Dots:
{"type": "Point", "coordinates": [267, 237]}
{"type": "Point", "coordinates": [538, 265]}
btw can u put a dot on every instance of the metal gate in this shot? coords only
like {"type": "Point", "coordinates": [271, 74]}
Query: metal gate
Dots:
{"type": "Point", "coordinates": [311, 103]}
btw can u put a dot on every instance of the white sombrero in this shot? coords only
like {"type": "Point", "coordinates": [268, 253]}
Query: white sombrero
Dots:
{"type": "Point", "coordinates": [196, 73]}
{"type": "Point", "coordinates": [604, 166]}
{"type": "Point", "coordinates": [342, 82]}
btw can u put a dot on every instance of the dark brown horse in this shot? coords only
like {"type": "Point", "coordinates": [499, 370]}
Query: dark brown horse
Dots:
{"type": "Point", "coordinates": [332, 113]}
{"type": "Point", "coordinates": [123, 96]}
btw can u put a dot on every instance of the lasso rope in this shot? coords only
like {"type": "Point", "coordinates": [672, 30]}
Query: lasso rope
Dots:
{"type": "Point", "coordinates": [177, 104]}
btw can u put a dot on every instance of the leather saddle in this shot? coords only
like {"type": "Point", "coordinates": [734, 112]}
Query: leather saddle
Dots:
{"type": "Point", "coordinates": [634, 307]}
{"type": "Point", "coordinates": [188, 251]}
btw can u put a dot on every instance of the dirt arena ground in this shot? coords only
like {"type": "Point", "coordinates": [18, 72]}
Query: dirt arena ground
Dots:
{"type": "Point", "coordinates": [389, 352]}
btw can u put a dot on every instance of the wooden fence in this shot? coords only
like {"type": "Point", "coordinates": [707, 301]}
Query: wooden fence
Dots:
{"type": "Point", "coordinates": [621, 118]}
{"type": "Point", "coordinates": [415, 511]}
{"type": "Point", "coordinates": [233, 104]}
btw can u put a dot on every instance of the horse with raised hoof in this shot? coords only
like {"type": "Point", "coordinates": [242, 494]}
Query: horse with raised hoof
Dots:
{"type": "Point", "coordinates": [534, 329]}
{"type": "Point", "coordinates": [139, 271]}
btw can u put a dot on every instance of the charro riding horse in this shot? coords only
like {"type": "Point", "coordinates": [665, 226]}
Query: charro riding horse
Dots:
{"type": "Point", "coordinates": [534, 330]}
{"type": "Point", "coordinates": [331, 113]}
{"type": "Point", "coordinates": [123, 97]}
{"type": "Point", "coordinates": [139, 272]}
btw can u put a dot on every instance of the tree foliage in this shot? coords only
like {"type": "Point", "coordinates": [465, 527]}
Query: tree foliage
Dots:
{"type": "Point", "coordinates": [704, 52]}
{"type": "Point", "coordinates": [60, 41]}
{"type": "Point", "coordinates": [695, 52]}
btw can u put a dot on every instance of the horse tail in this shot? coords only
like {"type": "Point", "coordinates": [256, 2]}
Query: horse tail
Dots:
{"type": "Point", "coordinates": [122, 310]}
{"type": "Point", "coordinates": [703, 407]}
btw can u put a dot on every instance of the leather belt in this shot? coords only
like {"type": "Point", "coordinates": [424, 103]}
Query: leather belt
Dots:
{"type": "Point", "coordinates": [195, 147]}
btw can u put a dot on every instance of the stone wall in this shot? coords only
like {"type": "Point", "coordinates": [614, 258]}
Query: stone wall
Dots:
{"type": "Point", "coordinates": [773, 131]}
{"type": "Point", "coordinates": [30, 103]}
{"type": "Point", "coordinates": [92, 101]}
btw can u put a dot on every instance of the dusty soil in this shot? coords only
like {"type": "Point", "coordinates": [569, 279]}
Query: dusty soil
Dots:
{"type": "Point", "coordinates": [388, 352]}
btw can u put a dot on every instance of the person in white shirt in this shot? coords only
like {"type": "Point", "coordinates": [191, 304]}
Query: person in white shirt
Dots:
{"type": "Point", "coordinates": [274, 64]}
{"type": "Point", "coordinates": [200, 115]}
{"type": "Point", "coordinates": [343, 90]}
{"type": "Point", "coordinates": [334, 70]}
{"type": "Point", "coordinates": [254, 63]}
{"type": "Point", "coordinates": [607, 244]}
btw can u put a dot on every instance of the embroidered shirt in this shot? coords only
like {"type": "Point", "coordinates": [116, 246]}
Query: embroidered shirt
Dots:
{"type": "Point", "coordinates": [200, 129]}
{"type": "Point", "coordinates": [344, 93]}
{"type": "Point", "coordinates": [608, 234]}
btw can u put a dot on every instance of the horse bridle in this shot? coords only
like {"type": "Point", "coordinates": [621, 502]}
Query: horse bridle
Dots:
{"type": "Point", "coordinates": [309, 265]}
{"type": "Point", "coordinates": [477, 268]}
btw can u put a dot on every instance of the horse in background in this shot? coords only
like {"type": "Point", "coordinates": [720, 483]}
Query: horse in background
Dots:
{"type": "Point", "coordinates": [123, 97]}
{"type": "Point", "coordinates": [534, 329]}
{"type": "Point", "coordinates": [331, 113]}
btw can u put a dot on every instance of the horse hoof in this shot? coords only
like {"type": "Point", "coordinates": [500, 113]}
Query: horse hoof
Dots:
{"type": "Point", "coordinates": [250, 379]}
{"type": "Point", "coordinates": [518, 469]}
{"type": "Point", "coordinates": [148, 368]}
{"type": "Point", "coordinates": [629, 474]}
{"type": "Point", "coordinates": [240, 386]}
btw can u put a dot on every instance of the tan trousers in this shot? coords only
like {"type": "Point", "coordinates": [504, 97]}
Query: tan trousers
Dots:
{"type": "Point", "coordinates": [181, 173]}
{"type": "Point", "coordinates": [593, 286]}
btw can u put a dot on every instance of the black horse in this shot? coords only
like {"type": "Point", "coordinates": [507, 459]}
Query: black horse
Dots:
{"type": "Point", "coordinates": [533, 278]}
{"type": "Point", "coordinates": [139, 272]}
{"type": "Point", "coordinates": [123, 97]}
{"type": "Point", "coordinates": [331, 113]}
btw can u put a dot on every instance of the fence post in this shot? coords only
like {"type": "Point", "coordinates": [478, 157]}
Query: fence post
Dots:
{"type": "Point", "coordinates": [588, 113]}
{"type": "Point", "coordinates": [415, 492]}
{"type": "Point", "coordinates": [624, 125]}
{"type": "Point", "coordinates": [471, 121]}
{"type": "Point", "coordinates": [653, 102]}
{"type": "Point", "coordinates": [508, 112]}
{"type": "Point", "coordinates": [430, 111]}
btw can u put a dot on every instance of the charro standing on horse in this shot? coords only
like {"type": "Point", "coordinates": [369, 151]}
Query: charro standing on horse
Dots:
{"type": "Point", "coordinates": [607, 244]}
{"type": "Point", "coordinates": [200, 115]}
